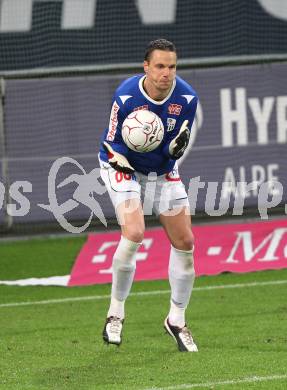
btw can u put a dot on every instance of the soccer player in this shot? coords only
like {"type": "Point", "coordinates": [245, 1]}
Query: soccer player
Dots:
{"type": "Point", "coordinates": [126, 176]}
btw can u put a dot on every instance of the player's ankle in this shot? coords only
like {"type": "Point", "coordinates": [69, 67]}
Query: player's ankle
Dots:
{"type": "Point", "coordinates": [176, 315]}
{"type": "Point", "coordinates": [116, 309]}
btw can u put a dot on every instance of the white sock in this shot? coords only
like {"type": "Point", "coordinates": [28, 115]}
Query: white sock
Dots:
{"type": "Point", "coordinates": [124, 266]}
{"type": "Point", "coordinates": [181, 276]}
{"type": "Point", "coordinates": [117, 309]}
{"type": "Point", "coordinates": [176, 315]}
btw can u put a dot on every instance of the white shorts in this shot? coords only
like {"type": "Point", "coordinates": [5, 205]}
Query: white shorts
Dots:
{"type": "Point", "coordinates": [156, 193]}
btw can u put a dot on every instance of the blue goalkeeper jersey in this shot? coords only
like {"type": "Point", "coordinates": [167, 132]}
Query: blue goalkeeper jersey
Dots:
{"type": "Point", "coordinates": [179, 105]}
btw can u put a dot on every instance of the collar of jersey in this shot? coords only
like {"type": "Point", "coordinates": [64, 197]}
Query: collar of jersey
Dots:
{"type": "Point", "coordinates": [149, 98]}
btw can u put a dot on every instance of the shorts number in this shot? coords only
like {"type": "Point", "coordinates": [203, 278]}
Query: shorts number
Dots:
{"type": "Point", "coordinates": [120, 176]}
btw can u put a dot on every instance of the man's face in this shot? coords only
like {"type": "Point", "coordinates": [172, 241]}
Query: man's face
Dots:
{"type": "Point", "coordinates": [161, 69]}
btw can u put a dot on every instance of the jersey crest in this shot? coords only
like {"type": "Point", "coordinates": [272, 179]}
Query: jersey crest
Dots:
{"type": "Point", "coordinates": [170, 124]}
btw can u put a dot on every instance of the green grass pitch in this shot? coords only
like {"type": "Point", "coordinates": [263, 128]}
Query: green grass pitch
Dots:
{"type": "Point", "coordinates": [241, 331]}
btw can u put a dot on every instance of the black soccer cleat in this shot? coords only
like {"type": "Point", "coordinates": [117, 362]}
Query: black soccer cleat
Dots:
{"type": "Point", "coordinates": [182, 336]}
{"type": "Point", "coordinates": [112, 333]}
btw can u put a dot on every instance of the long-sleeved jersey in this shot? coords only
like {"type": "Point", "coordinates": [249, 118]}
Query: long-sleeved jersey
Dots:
{"type": "Point", "coordinates": [179, 105]}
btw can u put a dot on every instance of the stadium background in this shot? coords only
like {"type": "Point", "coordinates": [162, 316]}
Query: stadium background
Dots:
{"type": "Point", "coordinates": [61, 60]}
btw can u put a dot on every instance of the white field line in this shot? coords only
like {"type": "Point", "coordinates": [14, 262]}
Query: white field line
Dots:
{"type": "Point", "coordinates": [251, 379]}
{"type": "Point", "coordinates": [141, 293]}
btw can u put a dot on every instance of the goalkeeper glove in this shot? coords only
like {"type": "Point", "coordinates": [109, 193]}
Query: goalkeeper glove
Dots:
{"type": "Point", "coordinates": [179, 144]}
{"type": "Point", "coordinates": [117, 160]}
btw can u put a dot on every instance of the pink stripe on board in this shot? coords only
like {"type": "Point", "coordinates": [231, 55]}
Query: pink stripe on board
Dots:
{"type": "Point", "coordinates": [241, 247]}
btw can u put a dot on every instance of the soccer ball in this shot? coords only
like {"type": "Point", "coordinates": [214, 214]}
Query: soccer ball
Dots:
{"type": "Point", "coordinates": [142, 131]}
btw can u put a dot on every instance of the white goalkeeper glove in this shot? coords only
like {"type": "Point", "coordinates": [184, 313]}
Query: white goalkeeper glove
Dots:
{"type": "Point", "coordinates": [117, 160]}
{"type": "Point", "coordinates": [179, 143]}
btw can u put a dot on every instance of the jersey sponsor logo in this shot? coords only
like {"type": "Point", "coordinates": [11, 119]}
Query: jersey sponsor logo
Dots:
{"type": "Point", "coordinates": [174, 109]}
{"type": "Point", "coordinates": [170, 124]}
{"type": "Point", "coordinates": [144, 107]}
{"type": "Point", "coordinates": [113, 122]}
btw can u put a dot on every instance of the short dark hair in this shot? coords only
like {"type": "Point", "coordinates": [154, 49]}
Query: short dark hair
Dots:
{"type": "Point", "coordinates": [158, 44]}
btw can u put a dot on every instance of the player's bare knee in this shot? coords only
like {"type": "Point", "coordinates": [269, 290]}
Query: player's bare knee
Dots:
{"type": "Point", "coordinates": [188, 243]}
{"type": "Point", "coordinates": [134, 233]}
{"type": "Point", "coordinates": [185, 241]}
